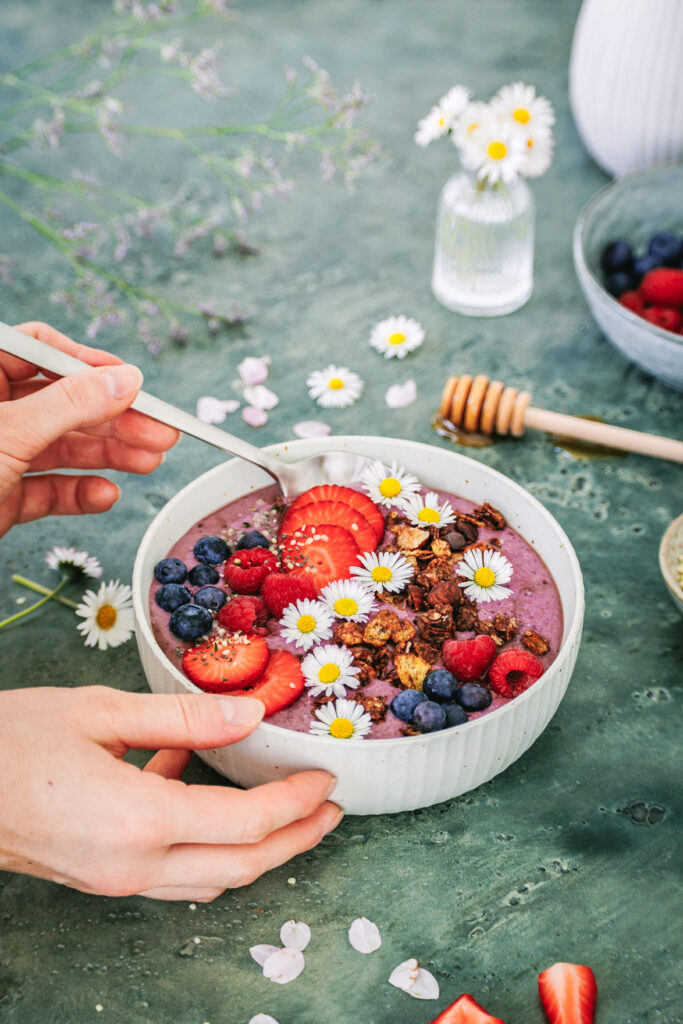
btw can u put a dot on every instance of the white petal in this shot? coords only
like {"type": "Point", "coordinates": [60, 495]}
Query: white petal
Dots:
{"type": "Point", "coordinates": [414, 980]}
{"type": "Point", "coordinates": [426, 985]}
{"type": "Point", "coordinates": [284, 966]}
{"type": "Point", "coordinates": [261, 953]}
{"type": "Point", "coordinates": [405, 975]}
{"type": "Point", "coordinates": [364, 935]}
{"type": "Point", "coordinates": [311, 428]}
{"type": "Point", "coordinates": [254, 417]}
{"type": "Point", "coordinates": [214, 410]}
{"type": "Point", "coordinates": [295, 935]}
{"type": "Point", "coordinates": [261, 397]}
{"type": "Point", "coordinates": [400, 395]}
{"type": "Point", "coordinates": [262, 1018]}
{"type": "Point", "coordinates": [254, 369]}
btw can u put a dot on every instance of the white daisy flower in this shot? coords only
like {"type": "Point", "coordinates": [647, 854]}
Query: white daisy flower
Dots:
{"type": "Point", "coordinates": [306, 623]}
{"type": "Point", "coordinates": [453, 103]}
{"type": "Point", "coordinates": [427, 511]}
{"type": "Point", "coordinates": [485, 571]}
{"type": "Point", "coordinates": [495, 151]}
{"type": "Point", "coordinates": [431, 127]}
{"type": "Point", "coordinates": [329, 670]}
{"type": "Point", "coordinates": [396, 336]}
{"type": "Point", "coordinates": [383, 570]}
{"type": "Point", "coordinates": [107, 615]}
{"type": "Point", "coordinates": [520, 104]}
{"type": "Point", "coordinates": [388, 486]}
{"type": "Point", "coordinates": [335, 385]}
{"type": "Point", "coordinates": [74, 564]}
{"type": "Point", "coordinates": [348, 599]}
{"type": "Point", "coordinates": [341, 719]}
{"type": "Point", "coordinates": [470, 121]}
{"type": "Point", "coordinates": [538, 154]}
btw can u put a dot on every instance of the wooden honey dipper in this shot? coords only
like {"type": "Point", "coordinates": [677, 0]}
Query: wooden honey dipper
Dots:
{"type": "Point", "coordinates": [477, 404]}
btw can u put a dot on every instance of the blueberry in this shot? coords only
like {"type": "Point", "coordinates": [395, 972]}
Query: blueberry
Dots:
{"type": "Point", "coordinates": [172, 596]}
{"type": "Point", "coordinates": [619, 282]}
{"type": "Point", "coordinates": [666, 247]}
{"type": "Point", "coordinates": [212, 598]}
{"type": "Point", "coordinates": [429, 717]}
{"type": "Point", "coordinates": [617, 255]}
{"type": "Point", "coordinates": [405, 702]}
{"type": "Point", "coordinates": [473, 696]}
{"type": "Point", "coordinates": [170, 570]}
{"type": "Point", "coordinates": [190, 621]}
{"type": "Point", "coordinates": [439, 685]}
{"type": "Point", "coordinates": [201, 575]}
{"type": "Point", "coordinates": [643, 265]}
{"type": "Point", "coordinates": [252, 539]}
{"type": "Point", "coordinates": [455, 714]}
{"type": "Point", "coordinates": [211, 550]}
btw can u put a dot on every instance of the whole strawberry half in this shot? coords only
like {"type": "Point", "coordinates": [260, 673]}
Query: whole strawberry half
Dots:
{"type": "Point", "coordinates": [469, 659]}
{"type": "Point", "coordinates": [568, 993]}
{"type": "Point", "coordinates": [246, 569]}
{"type": "Point", "coordinates": [514, 671]}
{"type": "Point", "coordinates": [226, 663]}
{"type": "Point", "coordinates": [280, 589]}
{"type": "Point", "coordinates": [466, 1010]}
{"type": "Point", "coordinates": [280, 685]}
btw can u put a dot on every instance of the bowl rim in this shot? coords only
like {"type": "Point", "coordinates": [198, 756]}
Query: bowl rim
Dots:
{"type": "Point", "coordinates": [581, 263]}
{"type": "Point", "coordinates": [312, 446]}
{"type": "Point", "coordinates": [672, 529]}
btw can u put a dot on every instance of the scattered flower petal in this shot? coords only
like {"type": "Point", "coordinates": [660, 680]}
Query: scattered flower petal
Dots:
{"type": "Point", "coordinates": [261, 397]}
{"type": "Point", "coordinates": [364, 935]}
{"type": "Point", "coordinates": [311, 428]}
{"type": "Point", "coordinates": [254, 417]}
{"type": "Point", "coordinates": [416, 981]}
{"type": "Point", "coordinates": [400, 395]}
{"type": "Point", "coordinates": [283, 966]}
{"type": "Point", "coordinates": [107, 615]}
{"type": "Point", "coordinates": [295, 935]}
{"type": "Point", "coordinates": [214, 410]}
{"type": "Point", "coordinates": [254, 369]}
{"type": "Point", "coordinates": [263, 1018]}
{"type": "Point", "coordinates": [261, 953]}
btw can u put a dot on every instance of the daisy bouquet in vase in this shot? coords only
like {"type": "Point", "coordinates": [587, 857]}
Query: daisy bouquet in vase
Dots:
{"type": "Point", "coordinates": [483, 260]}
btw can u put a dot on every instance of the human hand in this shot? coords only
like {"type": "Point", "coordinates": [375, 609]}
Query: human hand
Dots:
{"type": "Point", "coordinates": [77, 422]}
{"type": "Point", "coordinates": [72, 811]}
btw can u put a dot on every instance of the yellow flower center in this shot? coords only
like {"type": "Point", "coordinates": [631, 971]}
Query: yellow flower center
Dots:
{"type": "Point", "coordinates": [336, 384]}
{"type": "Point", "coordinates": [106, 616]}
{"type": "Point", "coordinates": [305, 624]}
{"type": "Point", "coordinates": [346, 606]}
{"type": "Point", "coordinates": [396, 338]}
{"type": "Point", "coordinates": [485, 577]}
{"type": "Point", "coordinates": [341, 729]}
{"type": "Point", "coordinates": [521, 115]}
{"type": "Point", "coordinates": [428, 515]}
{"type": "Point", "coordinates": [328, 673]}
{"type": "Point", "coordinates": [390, 487]}
{"type": "Point", "coordinates": [381, 574]}
{"type": "Point", "coordinates": [497, 150]}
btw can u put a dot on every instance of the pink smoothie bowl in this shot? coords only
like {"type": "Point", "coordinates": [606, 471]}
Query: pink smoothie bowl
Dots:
{"type": "Point", "coordinates": [379, 776]}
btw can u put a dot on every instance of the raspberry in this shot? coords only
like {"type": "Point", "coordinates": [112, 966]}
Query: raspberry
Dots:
{"type": "Point", "coordinates": [663, 286]}
{"type": "Point", "coordinates": [514, 671]}
{"type": "Point", "coordinates": [469, 659]}
{"type": "Point", "coordinates": [280, 590]}
{"type": "Point", "coordinates": [245, 571]}
{"type": "Point", "coordinates": [632, 301]}
{"type": "Point", "coordinates": [243, 614]}
{"type": "Point", "coordinates": [663, 316]}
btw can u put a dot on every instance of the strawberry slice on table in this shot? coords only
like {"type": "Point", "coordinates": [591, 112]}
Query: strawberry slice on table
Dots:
{"type": "Point", "coordinates": [280, 685]}
{"type": "Point", "coordinates": [466, 1010]}
{"type": "Point", "coordinates": [323, 552]}
{"type": "Point", "coordinates": [226, 663]}
{"type": "Point", "coordinates": [338, 513]}
{"type": "Point", "coordinates": [568, 993]}
{"type": "Point", "coordinates": [356, 499]}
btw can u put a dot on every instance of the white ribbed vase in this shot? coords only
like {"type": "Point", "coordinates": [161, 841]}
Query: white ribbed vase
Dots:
{"type": "Point", "coordinates": [626, 82]}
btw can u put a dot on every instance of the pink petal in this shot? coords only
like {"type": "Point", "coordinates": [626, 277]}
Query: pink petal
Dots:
{"type": "Point", "coordinates": [400, 395]}
{"type": "Point", "coordinates": [261, 397]}
{"type": "Point", "coordinates": [295, 935]}
{"type": "Point", "coordinates": [254, 417]}
{"type": "Point", "coordinates": [311, 428]}
{"type": "Point", "coordinates": [284, 966]}
{"type": "Point", "coordinates": [254, 369]}
{"type": "Point", "coordinates": [261, 953]}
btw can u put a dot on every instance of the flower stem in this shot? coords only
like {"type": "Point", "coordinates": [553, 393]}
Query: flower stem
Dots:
{"type": "Point", "coordinates": [24, 582]}
{"type": "Point", "coordinates": [32, 608]}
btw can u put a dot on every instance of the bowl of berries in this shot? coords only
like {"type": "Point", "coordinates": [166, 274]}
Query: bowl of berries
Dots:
{"type": "Point", "coordinates": [628, 254]}
{"type": "Point", "coordinates": [410, 628]}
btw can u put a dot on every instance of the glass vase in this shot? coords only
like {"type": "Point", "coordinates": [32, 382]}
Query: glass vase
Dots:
{"type": "Point", "coordinates": [484, 257]}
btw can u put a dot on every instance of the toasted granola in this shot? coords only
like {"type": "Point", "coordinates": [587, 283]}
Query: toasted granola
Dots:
{"type": "Point", "coordinates": [444, 594]}
{"type": "Point", "coordinates": [375, 706]}
{"type": "Point", "coordinates": [466, 616]}
{"type": "Point", "coordinates": [489, 516]}
{"type": "Point", "coordinates": [416, 597]}
{"type": "Point", "coordinates": [410, 538]}
{"type": "Point", "coordinates": [411, 670]}
{"type": "Point", "coordinates": [507, 626]}
{"type": "Point", "coordinates": [435, 625]}
{"type": "Point", "coordinates": [378, 630]}
{"type": "Point", "coordinates": [534, 642]}
{"type": "Point", "coordinates": [348, 633]}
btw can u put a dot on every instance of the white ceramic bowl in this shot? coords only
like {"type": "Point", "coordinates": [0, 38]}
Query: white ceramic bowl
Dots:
{"type": "Point", "coordinates": [670, 553]}
{"type": "Point", "coordinates": [386, 775]}
{"type": "Point", "coordinates": [634, 208]}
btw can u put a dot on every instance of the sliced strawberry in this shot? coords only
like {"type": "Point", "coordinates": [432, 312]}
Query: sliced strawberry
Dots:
{"type": "Point", "coordinates": [514, 671]}
{"type": "Point", "coordinates": [338, 513]}
{"type": "Point", "coordinates": [226, 663]}
{"type": "Point", "coordinates": [280, 685]}
{"type": "Point", "coordinates": [568, 993]}
{"type": "Point", "coordinates": [356, 499]}
{"type": "Point", "coordinates": [323, 552]}
{"type": "Point", "coordinates": [279, 590]}
{"type": "Point", "coordinates": [465, 1010]}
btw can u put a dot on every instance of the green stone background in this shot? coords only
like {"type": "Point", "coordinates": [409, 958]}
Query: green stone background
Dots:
{"type": "Point", "coordinates": [571, 854]}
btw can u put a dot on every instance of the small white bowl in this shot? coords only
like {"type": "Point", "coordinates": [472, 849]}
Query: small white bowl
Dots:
{"type": "Point", "coordinates": [385, 775]}
{"type": "Point", "coordinates": [670, 553]}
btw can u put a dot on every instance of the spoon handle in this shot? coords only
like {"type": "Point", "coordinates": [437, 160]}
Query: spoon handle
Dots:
{"type": "Point", "coordinates": [55, 361]}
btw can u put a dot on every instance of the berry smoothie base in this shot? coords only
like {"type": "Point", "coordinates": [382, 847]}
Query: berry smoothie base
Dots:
{"type": "Point", "coordinates": [534, 604]}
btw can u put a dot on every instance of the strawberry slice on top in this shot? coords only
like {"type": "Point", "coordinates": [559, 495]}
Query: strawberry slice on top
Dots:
{"type": "Point", "coordinates": [226, 663]}
{"type": "Point", "coordinates": [323, 552]}
{"type": "Point", "coordinates": [568, 993]}
{"type": "Point", "coordinates": [356, 499]}
{"type": "Point", "coordinates": [466, 1010]}
{"type": "Point", "coordinates": [338, 513]}
{"type": "Point", "coordinates": [280, 685]}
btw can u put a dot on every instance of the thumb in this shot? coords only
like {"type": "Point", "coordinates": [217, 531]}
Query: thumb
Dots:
{"type": "Point", "coordinates": [83, 399]}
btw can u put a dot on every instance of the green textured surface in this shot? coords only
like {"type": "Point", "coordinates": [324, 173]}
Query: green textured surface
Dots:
{"type": "Point", "coordinates": [571, 853]}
